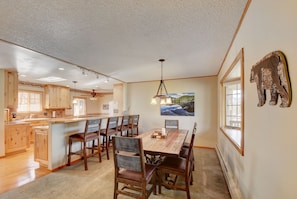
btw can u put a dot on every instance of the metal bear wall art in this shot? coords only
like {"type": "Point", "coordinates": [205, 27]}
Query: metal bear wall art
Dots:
{"type": "Point", "coordinates": [271, 72]}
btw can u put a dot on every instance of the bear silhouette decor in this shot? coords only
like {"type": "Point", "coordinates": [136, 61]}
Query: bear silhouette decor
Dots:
{"type": "Point", "coordinates": [271, 73]}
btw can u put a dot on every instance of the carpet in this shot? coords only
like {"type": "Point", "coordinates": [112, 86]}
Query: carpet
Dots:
{"type": "Point", "coordinates": [98, 182]}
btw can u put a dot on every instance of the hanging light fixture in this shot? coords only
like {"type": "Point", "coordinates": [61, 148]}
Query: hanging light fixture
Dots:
{"type": "Point", "coordinates": [163, 98]}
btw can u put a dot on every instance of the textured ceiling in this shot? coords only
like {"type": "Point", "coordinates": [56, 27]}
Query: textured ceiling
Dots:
{"type": "Point", "coordinates": [122, 39]}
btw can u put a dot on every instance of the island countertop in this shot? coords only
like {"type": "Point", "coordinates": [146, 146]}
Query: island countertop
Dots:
{"type": "Point", "coordinates": [58, 120]}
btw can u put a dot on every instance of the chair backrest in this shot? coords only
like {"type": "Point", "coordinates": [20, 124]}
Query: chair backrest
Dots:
{"type": "Point", "coordinates": [133, 120]}
{"type": "Point", "coordinates": [125, 120]}
{"type": "Point", "coordinates": [128, 154]}
{"type": "Point", "coordinates": [194, 128]}
{"type": "Point", "coordinates": [190, 154]}
{"type": "Point", "coordinates": [112, 123]}
{"type": "Point", "coordinates": [92, 126]}
{"type": "Point", "coordinates": [171, 124]}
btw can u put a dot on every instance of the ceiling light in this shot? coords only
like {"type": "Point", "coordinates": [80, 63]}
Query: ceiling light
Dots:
{"type": "Point", "coordinates": [61, 68]}
{"type": "Point", "coordinates": [164, 98]}
{"type": "Point", "coordinates": [51, 79]}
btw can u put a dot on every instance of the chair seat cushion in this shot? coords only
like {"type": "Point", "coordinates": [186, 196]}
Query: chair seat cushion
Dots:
{"type": "Point", "coordinates": [80, 136]}
{"type": "Point", "coordinates": [176, 164]}
{"type": "Point", "coordinates": [136, 176]}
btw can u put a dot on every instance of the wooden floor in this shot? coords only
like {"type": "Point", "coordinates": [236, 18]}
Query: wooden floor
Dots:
{"type": "Point", "coordinates": [19, 169]}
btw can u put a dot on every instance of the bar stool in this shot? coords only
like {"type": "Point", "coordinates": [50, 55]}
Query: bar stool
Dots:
{"type": "Point", "coordinates": [124, 126]}
{"type": "Point", "coordinates": [133, 124]}
{"type": "Point", "coordinates": [91, 133]}
{"type": "Point", "coordinates": [110, 130]}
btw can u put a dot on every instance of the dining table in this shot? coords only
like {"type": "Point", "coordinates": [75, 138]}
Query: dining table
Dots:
{"type": "Point", "coordinates": [159, 142]}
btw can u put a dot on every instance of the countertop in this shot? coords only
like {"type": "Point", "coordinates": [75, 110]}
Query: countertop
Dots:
{"type": "Point", "coordinates": [55, 120]}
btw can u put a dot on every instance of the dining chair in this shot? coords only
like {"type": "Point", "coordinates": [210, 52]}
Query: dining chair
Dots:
{"type": "Point", "coordinates": [133, 124]}
{"type": "Point", "coordinates": [180, 167]}
{"type": "Point", "coordinates": [137, 179]}
{"type": "Point", "coordinates": [91, 133]}
{"type": "Point", "coordinates": [186, 147]}
{"type": "Point", "coordinates": [171, 124]}
{"type": "Point", "coordinates": [110, 130]}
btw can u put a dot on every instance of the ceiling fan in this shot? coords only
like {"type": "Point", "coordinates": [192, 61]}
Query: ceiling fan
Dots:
{"type": "Point", "coordinates": [93, 95]}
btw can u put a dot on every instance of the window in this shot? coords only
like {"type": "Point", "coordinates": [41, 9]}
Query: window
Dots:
{"type": "Point", "coordinates": [29, 101]}
{"type": "Point", "coordinates": [79, 106]}
{"type": "Point", "coordinates": [232, 103]}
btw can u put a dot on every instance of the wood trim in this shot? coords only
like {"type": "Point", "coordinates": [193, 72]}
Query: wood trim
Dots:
{"type": "Point", "coordinates": [235, 34]}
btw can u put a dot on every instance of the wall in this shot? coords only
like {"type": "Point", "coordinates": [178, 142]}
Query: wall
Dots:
{"type": "Point", "coordinates": [2, 136]}
{"type": "Point", "coordinates": [268, 168]}
{"type": "Point", "coordinates": [139, 97]}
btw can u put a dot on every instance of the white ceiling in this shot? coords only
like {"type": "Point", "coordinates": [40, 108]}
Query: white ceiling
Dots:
{"type": "Point", "coordinates": [123, 39]}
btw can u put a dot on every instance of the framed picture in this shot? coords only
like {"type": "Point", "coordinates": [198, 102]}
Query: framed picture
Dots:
{"type": "Point", "coordinates": [183, 104]}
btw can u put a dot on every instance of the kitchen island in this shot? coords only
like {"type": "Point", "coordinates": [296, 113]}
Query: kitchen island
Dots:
{"type": "Point", "coordinates": [50, 138]}
{"type": "Point", "coordinates": [58, 132]}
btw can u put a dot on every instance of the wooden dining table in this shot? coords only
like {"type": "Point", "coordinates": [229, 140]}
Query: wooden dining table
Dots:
{"type": "Point", "coordinates": [170, 144]}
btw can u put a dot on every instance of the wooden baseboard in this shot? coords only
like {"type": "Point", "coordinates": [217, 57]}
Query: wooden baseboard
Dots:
{"type": "Point", "coordinates": [203, 147]}
{"type": "Point", "coordinates": [232, 186]}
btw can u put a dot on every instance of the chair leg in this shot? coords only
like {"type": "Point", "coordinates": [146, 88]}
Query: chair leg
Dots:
{"type": "Point", "coordinates": [160, 181]}
{"type": "Point", "coordinates": [188, 189]}
{"type": "Point", "coordinates": [106, 145]}
{"type": "Point", "coordinates": [99, 150]}
{"type": "Point", "coordinates": [69, 151]}
{"type": "Point", "coordinates": [85, 156]}
{"type": "Point", "coordinates": [115, 195]}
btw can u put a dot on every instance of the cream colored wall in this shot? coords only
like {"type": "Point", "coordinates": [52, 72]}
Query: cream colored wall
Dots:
{"type": "Point", "coordinates": [2, 136]}
{"type": "Point", "coordinates": [268, 168]}
{"type": "Point", "coordinates": [139, 97]}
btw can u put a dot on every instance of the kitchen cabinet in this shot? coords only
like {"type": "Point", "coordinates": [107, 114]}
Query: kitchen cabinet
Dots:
{"type": "Point", "coordinates": [34, 123]}
{"type": "Point", "coordinates": [11, 89]}
{"type": "Point", "coordinates": [41, 145]}
{"type": "Point", "coordinates": [16, 137]}
{"type": "Point", "coordinates": [57, 97]}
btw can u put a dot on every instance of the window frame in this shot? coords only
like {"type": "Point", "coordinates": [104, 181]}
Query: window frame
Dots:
{"type": "Point", "coordinates": [234, 134]}
{"type": "Point", "coordinates": [40, 101]}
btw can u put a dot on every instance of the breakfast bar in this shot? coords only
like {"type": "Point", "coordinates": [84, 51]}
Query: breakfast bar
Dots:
{"type": "Point", "coordinates": [58, 133]}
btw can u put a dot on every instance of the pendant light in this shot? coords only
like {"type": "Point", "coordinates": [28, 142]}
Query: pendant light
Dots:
{"type": "Point", "coordinates": [163, 98]}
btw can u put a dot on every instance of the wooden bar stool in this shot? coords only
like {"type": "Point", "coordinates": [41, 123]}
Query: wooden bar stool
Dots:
{"type": "Point", "coordinates": [91, 133]}
{"type": "Point", "coordinates": [133, 124]}
{"type": "Point", "coordinates": [110, 130]}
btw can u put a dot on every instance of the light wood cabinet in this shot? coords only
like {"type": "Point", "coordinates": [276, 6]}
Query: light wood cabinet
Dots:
{"type": "Point", "coordinates": [57, 97]}
{"type": "Point", "coordinates": [11, 89]}
{"type": "Point", "coordinates": [33, 124]}
{"type": "Point", "coordinates": [41, 145]}
{"type": "Point", "coordinates": [16, 137]}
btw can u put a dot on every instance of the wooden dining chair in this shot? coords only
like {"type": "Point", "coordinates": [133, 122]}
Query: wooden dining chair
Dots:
{"type": "Point", "coordinates": [137, 179]}
{"type": "Point", "coordinates": [133, 124]}
{"type": "Point", "coordinates": [186, 147]}
{"type": "Point", "coordinates": [91, 133]}
{"type": "Point", "coordinates": [171, 124]}
{"type": "Point", "coordinates": [110, 130]}
{"type": "Point", "coordinates": [180, 167]}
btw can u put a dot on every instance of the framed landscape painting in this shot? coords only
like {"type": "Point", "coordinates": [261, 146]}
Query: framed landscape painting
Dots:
{"type": "Point", "coordinates": [182, 105]}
